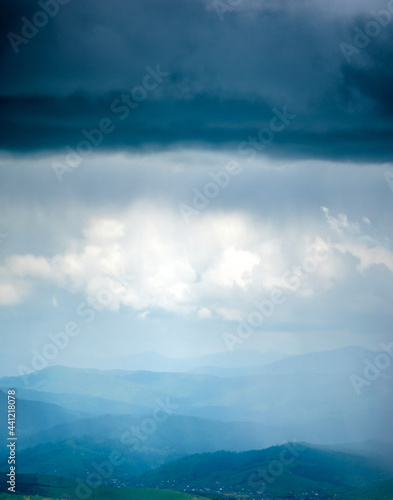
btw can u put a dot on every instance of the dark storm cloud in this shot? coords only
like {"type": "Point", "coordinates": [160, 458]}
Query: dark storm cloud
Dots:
{"type": "Point", "coordinates": [224, 76]}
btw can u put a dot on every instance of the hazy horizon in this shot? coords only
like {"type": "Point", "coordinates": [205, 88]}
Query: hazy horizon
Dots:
{"type": "Point", "coordinates": [147, 360]}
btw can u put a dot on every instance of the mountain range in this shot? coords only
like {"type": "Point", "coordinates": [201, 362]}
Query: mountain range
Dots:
{"type": "Point", "coordinates": [70, 418]}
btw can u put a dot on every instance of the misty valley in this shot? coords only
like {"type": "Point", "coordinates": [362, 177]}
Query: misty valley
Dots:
{"type": "Point", "coordinates": [228, 425]}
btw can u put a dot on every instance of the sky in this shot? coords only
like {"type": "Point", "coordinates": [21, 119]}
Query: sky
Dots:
{"type": "Point", "coordinates": [194, 177]}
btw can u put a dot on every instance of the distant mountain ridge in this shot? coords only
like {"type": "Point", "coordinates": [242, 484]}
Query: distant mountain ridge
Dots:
{"type": "Point", "coordinates": [224, 362]}
{"type": "Point", "coordinates": [311, 397]}
{"type": "Point", "coordinates": [245, 362]}
{"type": "Point", "coordinates": [70, 418]}
{"type": "Point", "coordinates": [33, 415]}
{"type": "Point", "coordinates": [74, 447]}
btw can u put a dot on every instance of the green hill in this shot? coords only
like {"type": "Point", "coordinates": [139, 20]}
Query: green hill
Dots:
{"type": "Point", "coordinates": [278, 470]}
{"type": "Point", "coordinates": [32, 487]}
{"type": "Point", "coordinates": [379, 491]}
{"type": "Point", "coordinates": [75, 457]}
{"type": "Point", "coordinates": [116, 494]}
{"type": "Point", "coordinates": [82, 403]}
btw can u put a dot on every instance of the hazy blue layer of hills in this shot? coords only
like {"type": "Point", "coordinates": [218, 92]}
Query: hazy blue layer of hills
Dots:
{"type": "Point", "coordinates": [380, 452]}
{"type": "Point", "coordinates": [179, 433]}
{"type": "Point", "coordinates": [69, 418]}
{"type": "Point", "coordinates": [83, 403]}
{"type": "Point", "coordinates": [69, 449]}
{"type": "Point", "coordinates": [34, 416]}
{"type": "Point", "coordinates": [311, 397]}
